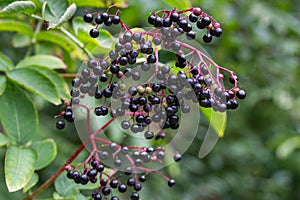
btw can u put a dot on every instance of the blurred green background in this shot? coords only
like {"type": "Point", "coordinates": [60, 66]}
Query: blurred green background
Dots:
{"type": "Point", "coordinates": [258, 158]}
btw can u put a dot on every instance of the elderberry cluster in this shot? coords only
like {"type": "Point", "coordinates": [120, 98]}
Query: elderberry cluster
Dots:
{"type": "Point", "coordinates": [153, 106]}
{"type": "Point", "coordinates": [176, 23]}
{"type": "Point", "coordinates": [67, 115]}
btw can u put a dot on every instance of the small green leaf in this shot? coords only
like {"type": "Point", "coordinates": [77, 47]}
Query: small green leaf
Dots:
{"type": "Point", "coordinates": [46, 152]}
{"type": "Point", "coordinates": [105, 39]}
{"type": "Point", "coordinates": [33, 181]}
{"type": "Point", "coordinates": [47, 61]}
{"type": "Point", "coordinates": [35, 82]}
{"type": "Point", "coordinates": [60, 84]}
{"type": "Point", "coordinates": [100, 4]}
{"type": "Point", "coordinates": [2, 84]}
{"type": "Point", "coordinates": [18, 114]}
{"type": "Point", "coordinates": [3, 140]}
{"type": "Point", "coordinates": [61, 40]}
{"type": "Point", "coordinates": [287, 147]}
{"type": "Point", "coordinates": [65, 17]}
{"type": "Point", "coordinates": [179, 4]}
{"type": "Point", "coordinates": [20, 40]}
{"type": "Point", "coordinates": [5, 63]}
{"type": "Point", "coordinates": [216, 119]}
{"type": "Point", "coordinates": [16, 26]}
{"type": "Point", "coordinates": [18, 167]}
{"type": "Point", "coordinates": [26, 7]}
{"type": "Point", "coordinates": [65, 186]}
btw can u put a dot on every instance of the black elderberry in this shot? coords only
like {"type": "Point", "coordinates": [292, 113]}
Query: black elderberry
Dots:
{"type": "Point", "coordinates": [116, 19]}
{"type": "Point", "coordinates": [131, 182]}
{"type": "Point", "coordinates": [100, 167]}
{"type": "Point", "coordinates": [193, 17]}
{"type": "Point", "coordinates": [84, 179]}
{"type": "Point", "coordinates": [206, 20]}
{"type": "Point", "coordinates": [122, 188]}
{"type": "Point", "coordinates": [127, 37]}
{"type": "Point", "coordinates": [200, 24]}
{"type": "Point", "coordinates": [94, 33]}
{"type": "Point", "coordinates": [137, 187]}
{"type": "Point", "coordinates": [136, 76]}
{"type": "Point", "coordinates": [92, 173]}
{"type": "Point", "coordinates": [114, 69]}
{"type": "Point", "coordinates": [151, 59]}
{"type": "Point", "coordinates": [177, 157]}
{"type": "Point", "coordinates": [98, 197]}
{"type": "Point", "coordinates": [76, 82]}
{"type": "Point", "coordinates": [135, 196]}
{"type": "Point", "coordinates": [142, 178]}
{"type": "Point", "coordinates": [128, 170]}
{"type": "Point", "coordinates": [167, 22]}
{"type": "Point", "coordinates": [145, 66]}
{"type": "Point", "coordinates": [151, 19]}
{"type": "Point", "coordinates": [60, 124]}
{"type": "Point", "coordinates": [136, 37]}
{"type": "Point", "coordinates": [160, 155]}
{"type": "Point", "coordinates": [207, 38]}
{"type": "Point", "coordinates": [106, 191]}
{"type": "Point", "coordinates": [114, 198]}
{"type": "Point", "coordinates": [104, 16]}
{"type": "Point", "coordinates": [171, 182]}
{"type": "Point", "coordinates": [174, 17]}
{"type": "Point", "coordinates": [158, 22]}
{"type": "Point", "coordinates": [88, 17]}
{"type": "Point", "coordinates": [98, 111]}
{"type": "Point", "coordinates": [241, 94]}
{"type": "Point", "coordinates": [191, 35]}
{"type": "Point", "coordinates": [70, 174]}
{"type": "Point", "coordinates": [149, 135]}
{"type": "Point", "coordinates": [108, 22]}
{"type": "Point", "coordinates": [98, 19]}
{"type": "Point", "coordinates": [114, 183]}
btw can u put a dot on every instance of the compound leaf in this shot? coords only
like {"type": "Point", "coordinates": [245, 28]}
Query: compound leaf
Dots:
{"type": "Point", "coordinates": [19, 167]}
{"type": "Point", "coordinates": [18, 7]}
{"type": "Point", "coordinates": [68, 14]}
{"type": "Point", "coordinates": [18, 114]}
{"type": "Point", "coordinates": [46, 152]}
{"type": "Point", "coordinates": [36, 82]}
{"type": "Point", "coordinates": [20, 40]}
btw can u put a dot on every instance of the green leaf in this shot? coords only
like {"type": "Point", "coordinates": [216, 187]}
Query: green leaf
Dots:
{"type": "Point", "coordinates": [60, 84]}
{"type": "Point", "coordinates": [33, 181]}
{"type": "Point", "coordinates": [3, 140]}
{"type": "Point", "coordinates": [61, 40]}
{"type": "Point", "coordinates": [20, 40]}
{"type": "Point", "coordinates": [100, 4]}
{"type": "Point", "coordinates": [65, 186]}
{"type": "Point", "coordinates": [18, 7]}
{"type": "Point", "coordinates": [2, 84]}
{"type": "Point", "coordinates": [179, 4]}
{"type": "Point", "coordinates": [5, 63]}
{"type": "Point", "coordinates": [18, 114]}
{"type": "Point", "coordinates": [18, 167]}
{"type": "Point", "coordinates": [216, 119]}
{"type": "Point", "coordinates": [105, 39]}
{"type": "Point", "coordinates": [287, 147]}
{"type": "Point", "coordinates": [65, 17]}
{"type": "Point", "coordinates": [16, 26]}
{"type": "Point", "coordinates": [46, 152]}
{"type": "Point", "coordinates": [36, 82]}
{"type": "Point", "coordinates": [47, 61]}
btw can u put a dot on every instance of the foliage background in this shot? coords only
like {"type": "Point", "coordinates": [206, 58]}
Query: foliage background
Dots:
{"type": "Point", "coordinates": [259, 156]}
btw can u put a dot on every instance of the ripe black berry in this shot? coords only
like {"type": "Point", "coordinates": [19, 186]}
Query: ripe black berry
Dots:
{"type": "Point", "coordinates": [207, 38]}
{"type": "Point", "coordinates": [241, 94]}
{"type": "Point", "coordinates": [116, 19]}
{"type": "Point", "coordinates": [94, 33]}
{"type": "Point", "coordinates": [174, 17]}
{"type": "Point", "coordinates": [206, 20]}
{"type": "Point", "coordinates": [122, 188]}
{"type": "Point", "coordinates": [60, 124]}
{"type": "Point", "coordinates": [104, 16]}
{"type": "Point", "coordinates": [218, 32]}
{"type": "Point", "coordinates": [171, 182]}
{"type": "Point", "coordinates": [193, 17]}
{"type": "Point", "coordinates": [106, 191]}
{"type": "Point", "coordinates": [98, 19]}
{"type": "Point", "coordinates": [191, 35]}
{"type": "Point", "coordinates": [88, 17]}
{"type": "Point", "coordinates": [135, 196]}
